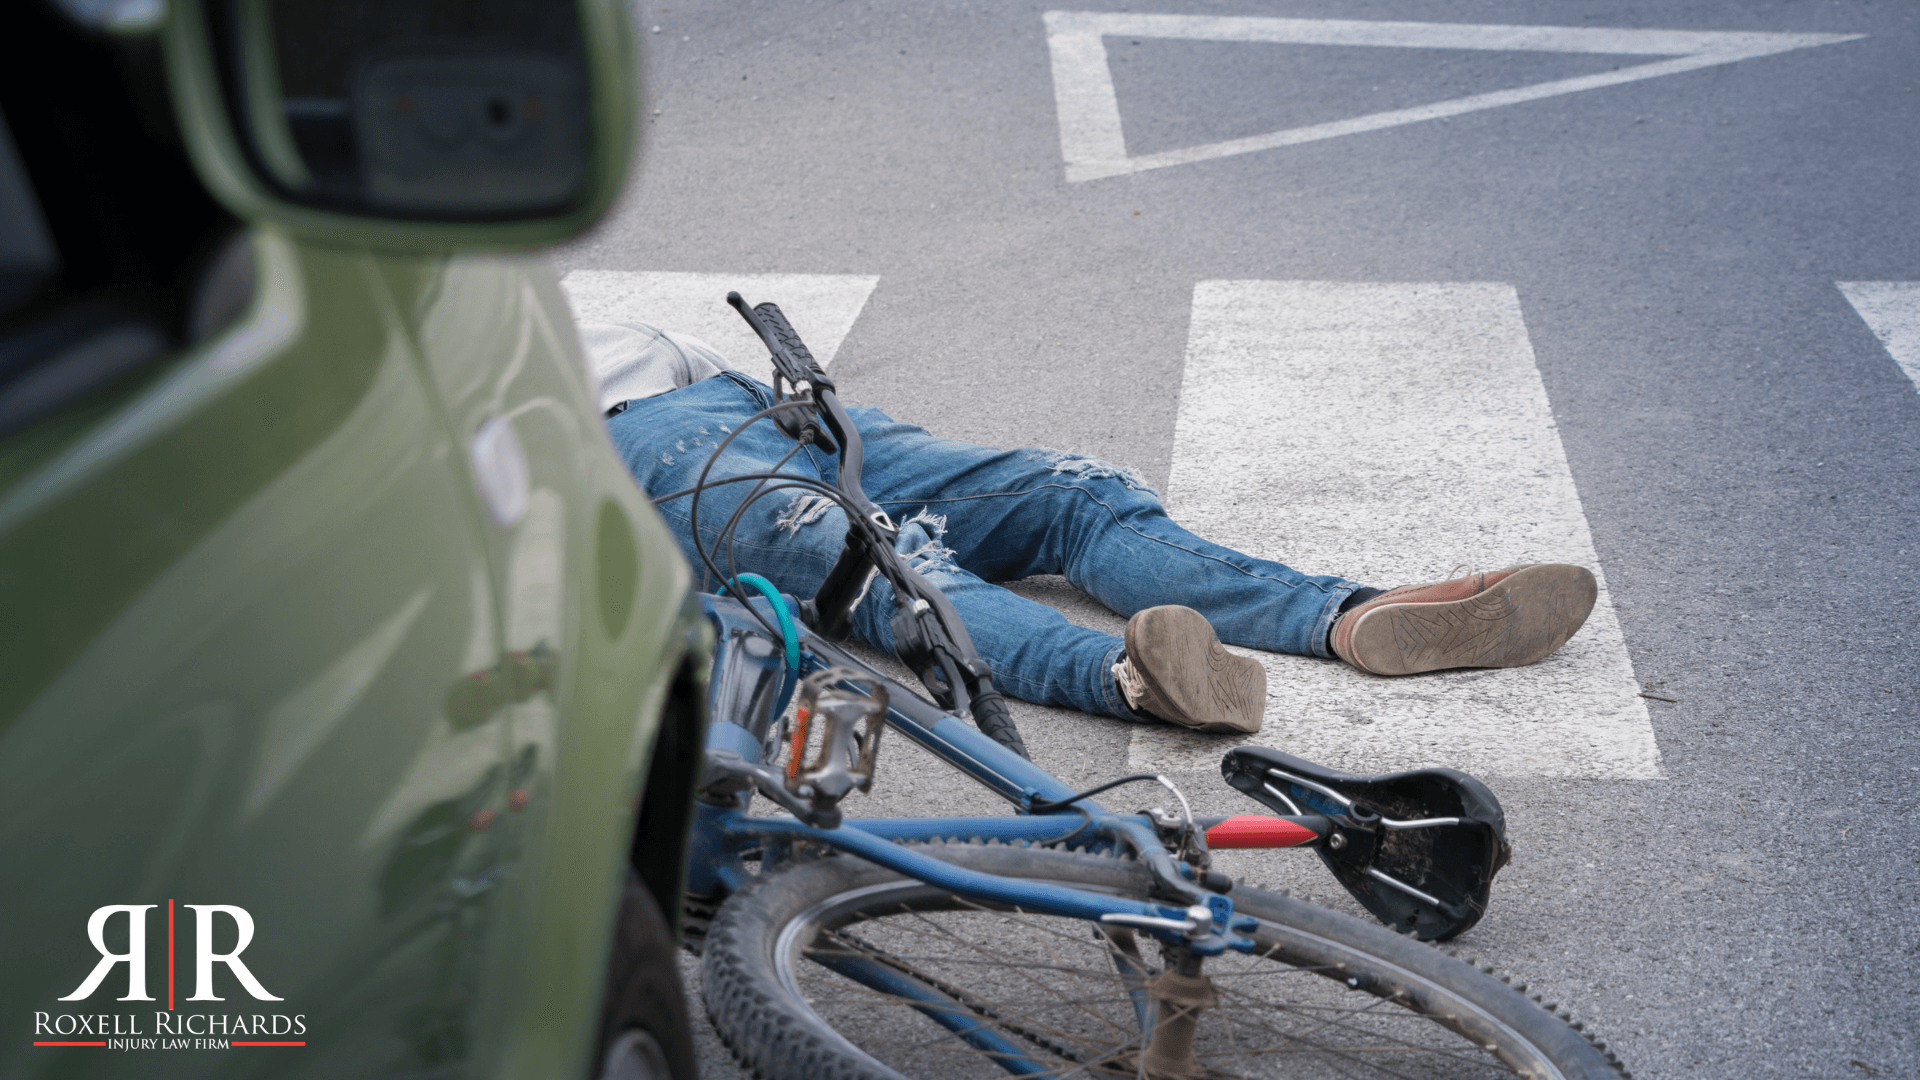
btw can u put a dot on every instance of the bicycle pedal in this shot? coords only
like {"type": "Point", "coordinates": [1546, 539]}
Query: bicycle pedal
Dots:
{"type": "Point", "coordinates": [1418, 849]}
{"type": "Point", "coordinates": [843, 728]}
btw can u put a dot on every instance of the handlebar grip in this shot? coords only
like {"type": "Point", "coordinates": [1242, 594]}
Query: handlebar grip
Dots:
{"type": "Point", "coordinates": [791, 360]}
{"type": "Point", "coordinates": [784, 332]}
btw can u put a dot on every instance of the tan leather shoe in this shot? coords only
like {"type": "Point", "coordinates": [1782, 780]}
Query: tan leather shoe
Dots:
{"type": "Point", "coordinates": [1176, 670]}
{"type": "Point", "coordinates": [1505, 618]}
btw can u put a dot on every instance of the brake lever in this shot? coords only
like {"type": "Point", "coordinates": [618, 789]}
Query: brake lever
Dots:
{"type": "Point", "coordinates": [928, 631]}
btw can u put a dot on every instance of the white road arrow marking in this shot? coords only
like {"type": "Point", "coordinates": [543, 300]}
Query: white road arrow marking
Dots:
{"type": "Point", "coordinates": [1388, 433]}
{"type": "Point", "coordinates": [1891, 309]}
{"type": "Point", "coordinates": [1094, 146]}
{"type": "Point", "coordinates": [822, 307]}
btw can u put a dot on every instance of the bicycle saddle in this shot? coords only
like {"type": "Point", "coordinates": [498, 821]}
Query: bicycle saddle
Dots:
{"type": "Point", "coordinates": [1419, 849]}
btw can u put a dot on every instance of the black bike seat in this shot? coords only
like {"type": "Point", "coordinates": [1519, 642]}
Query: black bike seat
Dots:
{"type": "Point", "coordinates": [1419, 848]}
{"type": "Point", "coordinates": [1416, 793]}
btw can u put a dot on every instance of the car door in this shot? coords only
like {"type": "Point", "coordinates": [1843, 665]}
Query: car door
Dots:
{"type": "Point", "coordinates": [246, 604]}
{"type": "Point", "coordinates": [589, 586]}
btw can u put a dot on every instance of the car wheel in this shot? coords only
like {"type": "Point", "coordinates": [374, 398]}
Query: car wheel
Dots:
{"type": "Point", "coordinates": [644, 1034]}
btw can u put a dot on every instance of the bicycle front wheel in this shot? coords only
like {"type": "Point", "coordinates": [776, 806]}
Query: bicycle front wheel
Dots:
{"type": "Point", "coordinates": [834, 969]}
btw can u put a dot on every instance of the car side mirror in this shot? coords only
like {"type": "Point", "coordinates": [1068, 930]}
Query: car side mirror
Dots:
{"type": "Point", "coordinates": [409, 124]}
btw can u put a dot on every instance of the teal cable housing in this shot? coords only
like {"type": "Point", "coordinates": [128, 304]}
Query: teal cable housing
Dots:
{"type": "Point", "coordinates": [789, 633]}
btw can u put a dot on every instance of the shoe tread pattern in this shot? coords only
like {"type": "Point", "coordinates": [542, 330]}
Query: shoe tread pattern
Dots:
{"type": "Point", "coordinates": [1518, 620]}
{"type": "Point", "coordinates": [1224, 693]}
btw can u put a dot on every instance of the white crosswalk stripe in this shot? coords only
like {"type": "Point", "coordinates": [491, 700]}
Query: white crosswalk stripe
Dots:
{"type": "Point", "coordinates": [1891, 309]}
{"type": "Point", "coordinates": [1388, 432]}
{"type": "Point", "coordinates": [822, 307]}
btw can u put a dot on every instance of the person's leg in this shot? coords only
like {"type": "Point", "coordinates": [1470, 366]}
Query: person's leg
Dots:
{"type": "Point", "coordinates": [1019, 513]}
{"type": "Point", "coordinates": [792, 537]}
{"type": "Point", "coordinates": [1009, 514]}
{"type": "Point", "coordinates": [1179, 671]}
{"type": "Point", "coordinates": [666, 442]}
{"type": "Point", "coordinates": [1035, 654]}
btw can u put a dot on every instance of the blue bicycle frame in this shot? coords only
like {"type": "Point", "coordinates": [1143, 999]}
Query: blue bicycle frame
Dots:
{"type": "Point", "coordinates": [751, 683]}
{"type": "Point", "coordinates": [1440, 889]}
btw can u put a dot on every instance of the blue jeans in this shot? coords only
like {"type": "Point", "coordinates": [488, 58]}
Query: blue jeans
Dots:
{"type": "Point", "coordinates": [969, 516]}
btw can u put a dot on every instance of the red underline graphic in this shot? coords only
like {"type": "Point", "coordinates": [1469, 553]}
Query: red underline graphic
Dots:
{"type": "Point", "coordinates": [169, 955]}
{"type": "Point", "coordinates": [229, 1044]}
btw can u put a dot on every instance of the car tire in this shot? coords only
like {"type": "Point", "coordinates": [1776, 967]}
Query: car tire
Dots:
{"type": "Point", "coordinates": [644, 1032]}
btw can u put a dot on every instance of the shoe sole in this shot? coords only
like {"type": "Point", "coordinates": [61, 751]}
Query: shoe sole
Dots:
{"type": "Point", "coordinates": [1213, 690]}
{"type": "Point", "coordinates": [1520, 620]}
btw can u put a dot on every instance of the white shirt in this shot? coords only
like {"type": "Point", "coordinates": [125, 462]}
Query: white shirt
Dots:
{"type": "Point", "coordinates": [635, 360]}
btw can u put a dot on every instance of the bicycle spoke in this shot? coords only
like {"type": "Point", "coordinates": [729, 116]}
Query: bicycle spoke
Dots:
{"type": "Point", "coordinates": [1042, 1035]}
{"type": "Point", "coordinates": [1239, 1011]}
{"type": "Point", "coordinates": [1036, 1002]}
{"type": "Point", "coordinates": [1375, 1010]}
{"type": "Point", "coordinates": [978, 991]}
{"type": "Point", "coordinates": [1348, 1053]}
{"type": "Point", "coordinates": [1342, 1051]}
{"type": "Point", "coordinates": [1073, 1000]}
{"type": "Point", "coordinates": [996, 965]}
{"type": "Point", "coordinates": [1026, 975]}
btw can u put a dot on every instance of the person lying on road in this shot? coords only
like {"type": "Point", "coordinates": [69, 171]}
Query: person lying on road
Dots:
{"type": "Point", "coordinates": [970, 516]}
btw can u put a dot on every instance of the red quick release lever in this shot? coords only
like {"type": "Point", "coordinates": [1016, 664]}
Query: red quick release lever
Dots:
{"type": "Point", "coordinates": [1256, 831]}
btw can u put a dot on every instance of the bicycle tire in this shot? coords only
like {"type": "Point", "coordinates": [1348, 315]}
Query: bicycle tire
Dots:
{"type": "Point", "coordinates": [995, 721]}
{"type": "Point", "coordinates": [1383, 1004]}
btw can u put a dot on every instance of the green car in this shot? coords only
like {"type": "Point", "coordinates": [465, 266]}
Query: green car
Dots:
{"type": "Point", "coordinates": [350, 695]}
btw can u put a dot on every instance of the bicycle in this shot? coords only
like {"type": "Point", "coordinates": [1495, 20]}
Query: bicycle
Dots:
{"type": "Point", "coordinates": [1066, 939]}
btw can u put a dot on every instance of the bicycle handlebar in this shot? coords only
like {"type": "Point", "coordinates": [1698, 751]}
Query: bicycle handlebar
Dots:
{"type": "Point", "coordinates": [930, 637]}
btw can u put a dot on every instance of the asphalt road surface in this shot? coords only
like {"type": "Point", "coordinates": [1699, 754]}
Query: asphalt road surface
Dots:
{"type": "Point", "coordinates": [1377, 294]}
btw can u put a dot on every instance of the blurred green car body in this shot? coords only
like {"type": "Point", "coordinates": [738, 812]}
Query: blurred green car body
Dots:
{"type": "Point", "coordinates": [326, 601]}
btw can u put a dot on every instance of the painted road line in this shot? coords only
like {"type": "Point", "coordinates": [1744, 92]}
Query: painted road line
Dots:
{"type": "Point", "coordinates": [1891, 309]}
{"type": "Point", "coordinates": [822, 307]}
{"type": "Point", "coordinates": [1094, 146]}
{"type": "Point", "coordinates": [1388, 433]}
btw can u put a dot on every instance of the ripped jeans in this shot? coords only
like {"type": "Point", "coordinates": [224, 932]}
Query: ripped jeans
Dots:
{"type": "Point", "coordinates": [969, 516]}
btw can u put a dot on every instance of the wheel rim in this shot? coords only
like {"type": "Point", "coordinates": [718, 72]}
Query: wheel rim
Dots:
{"type": "Point", "coordinates": [1060, 995]}
{"type": "Point", "coordinates": [635, 1055]}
